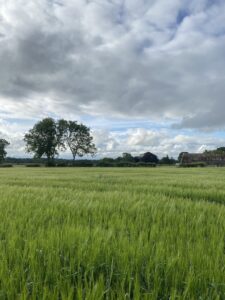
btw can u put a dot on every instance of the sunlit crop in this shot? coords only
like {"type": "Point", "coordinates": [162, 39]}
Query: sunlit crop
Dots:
{"type": "Point", "coordinates": [77, 233]}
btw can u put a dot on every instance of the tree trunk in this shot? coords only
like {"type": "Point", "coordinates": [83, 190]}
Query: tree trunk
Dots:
{"type": "Point", "coordinates": [50, 161]}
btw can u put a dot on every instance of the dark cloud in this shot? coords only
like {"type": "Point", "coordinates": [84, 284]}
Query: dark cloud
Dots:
{"type": "Point", "coordinates": [116, 58]}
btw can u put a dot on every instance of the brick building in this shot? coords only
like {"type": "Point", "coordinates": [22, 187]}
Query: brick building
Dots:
{"type": "Point", "coordinates": [208, 157]}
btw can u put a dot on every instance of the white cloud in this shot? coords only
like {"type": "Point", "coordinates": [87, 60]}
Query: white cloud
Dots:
{"type": "Point", "coordinates": [132, 58]}
{"type": "Point", "coordinates": [13, 133]}
{"type": "Point", "coordinates": [161, 142]}
{"type": "Point", "coordinates": [142, 137]}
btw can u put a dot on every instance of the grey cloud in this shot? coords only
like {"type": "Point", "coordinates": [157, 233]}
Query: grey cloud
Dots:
{"type": "Point", "coordinates": [114, 58]}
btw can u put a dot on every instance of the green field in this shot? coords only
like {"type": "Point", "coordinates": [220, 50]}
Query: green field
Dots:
{"type": "Point", "coordinates": [72, 233]}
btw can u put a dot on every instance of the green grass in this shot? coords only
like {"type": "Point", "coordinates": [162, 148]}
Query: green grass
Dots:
{"type": "Point", "coordinates": [112, 233]}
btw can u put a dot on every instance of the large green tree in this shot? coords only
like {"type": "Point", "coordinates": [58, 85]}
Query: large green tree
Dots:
{"type": "Point", "coordinates": [3, 145]}
{"type": "Point", "coordinates": [43, 139]}
{"type": "Point", "coordinates": [76, 137]}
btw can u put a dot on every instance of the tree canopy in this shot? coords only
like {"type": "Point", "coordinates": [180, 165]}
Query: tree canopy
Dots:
{"type": "Point", "coordinates": [76, 137]}
{"type": "Point", "coordinates": [42, 139]}
{"type": "Point", "coordinates": [149, 157]}
{"type": "Point", "coordinates": [48, 136]}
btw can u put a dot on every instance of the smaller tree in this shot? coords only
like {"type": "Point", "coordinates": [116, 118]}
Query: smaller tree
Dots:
{"type": "Point", "coordinates": [77, 137]}
{"type": "Point", "coordinates": [137, 159]}
{"type": "Point", "coordinates": [3, 153]}
{"type": "Point", "coordinates": [149, 157]}
{"type": "Point", "coordinates": [167, 161]}
{"type": "Point", "coordinates": [127, 157]}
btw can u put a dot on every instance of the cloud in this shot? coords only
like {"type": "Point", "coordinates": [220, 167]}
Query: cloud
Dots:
{"type": "Point", "coordinates": [161, 142]}
{"type": "Point", "coordinates": [13, 133]}
{"type": "Point", "coordinates": [161, 60]}
{"type": "Point", "coordinates": [142, 137]}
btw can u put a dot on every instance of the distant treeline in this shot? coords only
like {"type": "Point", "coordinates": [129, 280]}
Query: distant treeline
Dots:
{"type": "Point", "coordinates": [148, 159]}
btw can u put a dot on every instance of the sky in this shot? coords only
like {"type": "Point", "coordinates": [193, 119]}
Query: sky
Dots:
{"type": "Point", "coordinates": [144, 75]}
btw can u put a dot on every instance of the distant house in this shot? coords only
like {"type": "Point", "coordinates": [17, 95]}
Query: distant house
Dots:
{"type": "Point", "coordinates": [209, 158]}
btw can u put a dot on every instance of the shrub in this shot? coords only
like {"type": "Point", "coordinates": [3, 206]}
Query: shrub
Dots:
{"type": "Point", "coordinates": [193, 165]}
{"type": "Point", "coordinates": [6, 166]}
{"type": "Point", "coordinates": [105, 164]}
{"type": "Point", "coordinates": [33, 165]}
{"type": "Point", "coordinates": [50, 164]}
{"type": "Point", "coordinates": [82, 163]}
{"type": "Point", "coordinates": [125, 164]}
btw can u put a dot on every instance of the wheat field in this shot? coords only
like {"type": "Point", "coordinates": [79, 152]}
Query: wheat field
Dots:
{"type": "Point", "coordinates": [110, 233]}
